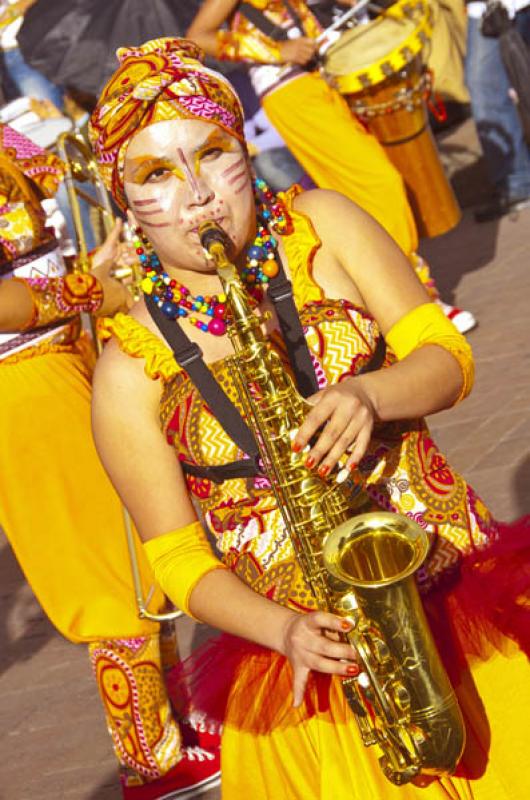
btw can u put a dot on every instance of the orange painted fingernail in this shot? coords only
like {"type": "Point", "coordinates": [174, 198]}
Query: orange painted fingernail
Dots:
{"type": "Point", "coordinates": [310, 462]}
{"type": "Point", "coordinates": [345, 625]}
{"type": "Point", "coordinates": [352, 670]}
{"type": "Point", "coordinates": [352, 466]}
{"type": "Point", "coordinates": [324, 470]}
{"type": "Point", "coordinates": [296, 447]}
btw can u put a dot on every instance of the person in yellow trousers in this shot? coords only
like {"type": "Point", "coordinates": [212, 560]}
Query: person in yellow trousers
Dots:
{"type": "Point", "coordinates": [57, 506]}
{"type": "Point", "coordinates": [277, 40]}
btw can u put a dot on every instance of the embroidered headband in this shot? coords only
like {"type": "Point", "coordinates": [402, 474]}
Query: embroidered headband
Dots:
{"type": "Point", "coordinates": [162, 79]}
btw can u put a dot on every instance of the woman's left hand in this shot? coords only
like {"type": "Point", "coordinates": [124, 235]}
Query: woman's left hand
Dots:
{"type": "Point", "coordinates": [346, 414]}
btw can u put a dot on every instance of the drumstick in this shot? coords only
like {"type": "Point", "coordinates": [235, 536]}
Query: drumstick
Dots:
{"type": "Point", "coordinates": [360, 6]}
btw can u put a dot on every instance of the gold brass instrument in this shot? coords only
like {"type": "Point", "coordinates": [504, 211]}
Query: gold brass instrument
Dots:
{"type": "Point", "coordinates": [81, 168]}
{"type": "Point", "coordinates": [360, 567]}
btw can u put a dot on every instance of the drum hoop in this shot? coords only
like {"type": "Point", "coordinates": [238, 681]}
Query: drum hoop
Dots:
{"type": "Point", "coordinates": [392, 62]}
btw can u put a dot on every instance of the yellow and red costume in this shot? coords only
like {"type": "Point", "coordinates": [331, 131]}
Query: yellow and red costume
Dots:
{"type": "Point", "coordinates": [269, 749]}
{"type": "Point", "coordinates": [57, 506]}
{"type": "Point", "coordinates": [316, 751]}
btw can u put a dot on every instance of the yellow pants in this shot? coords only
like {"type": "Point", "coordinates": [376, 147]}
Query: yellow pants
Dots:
{"type": "Point", "coordinates": [57, 506]}
{"type": "Point", "coordinates": [65, 524]}
{"type": "Point", "coordinates": [319, 129]}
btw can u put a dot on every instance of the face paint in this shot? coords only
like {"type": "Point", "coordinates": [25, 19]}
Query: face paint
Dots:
{"type": "Point", "coordinates": [179, 173]}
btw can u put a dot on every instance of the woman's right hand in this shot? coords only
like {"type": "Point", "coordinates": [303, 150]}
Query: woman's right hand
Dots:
{"type": "Point", "coordinates": [312, 642]}
{"type": "Point", "coordinates": [113, 254]}
{"type": "Point", "coordinates": [297, 51]}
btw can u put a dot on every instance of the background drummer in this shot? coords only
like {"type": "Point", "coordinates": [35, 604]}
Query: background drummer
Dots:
{"type": "Point", "coordinates": [278, 42]}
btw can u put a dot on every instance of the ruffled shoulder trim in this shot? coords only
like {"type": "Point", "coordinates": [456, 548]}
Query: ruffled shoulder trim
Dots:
{"type": "Point", "coordinates": [301, 247]}
{"type": "Point", "coordinates": [134, 339]}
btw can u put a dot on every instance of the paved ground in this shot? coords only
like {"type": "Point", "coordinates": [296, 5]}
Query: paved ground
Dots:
{"type": "Point", "coordinates": [52, 735]}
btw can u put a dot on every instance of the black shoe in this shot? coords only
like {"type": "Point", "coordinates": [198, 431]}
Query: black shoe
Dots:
{"type": "Point", "coordinates": [501, 206]}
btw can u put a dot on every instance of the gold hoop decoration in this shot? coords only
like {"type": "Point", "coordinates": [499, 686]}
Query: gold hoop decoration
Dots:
{"type": "Point", "coordinates": [369, 54]}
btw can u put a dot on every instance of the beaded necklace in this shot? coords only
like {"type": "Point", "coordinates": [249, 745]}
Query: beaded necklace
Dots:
{"type": "Point", "coordinates": [175, 300]}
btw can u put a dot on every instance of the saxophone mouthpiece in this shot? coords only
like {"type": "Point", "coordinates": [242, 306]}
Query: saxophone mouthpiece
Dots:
{"type": "Point", "coordinates": [210, 233]}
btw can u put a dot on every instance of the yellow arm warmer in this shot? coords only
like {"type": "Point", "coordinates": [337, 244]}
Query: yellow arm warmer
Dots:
{"type": "Point", "coordinates": [179, 559]}
{"type": "Point", "coordinates": [427, 324]}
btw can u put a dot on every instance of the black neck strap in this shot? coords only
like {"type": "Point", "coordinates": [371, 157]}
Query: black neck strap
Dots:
{"type": "Point", "coordinates": [188, 355]}
{"type": "Point", "coordinates": [264, 24]}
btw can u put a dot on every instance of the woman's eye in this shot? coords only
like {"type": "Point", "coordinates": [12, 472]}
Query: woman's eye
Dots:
{"type": "Point", "coordinates": [157, 174]}
{"type": "Point", "coordinates": [211, 153]}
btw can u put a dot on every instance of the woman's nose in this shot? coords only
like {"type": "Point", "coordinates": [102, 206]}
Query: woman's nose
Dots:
{"type": "Point", "coordinates": [199, 191]}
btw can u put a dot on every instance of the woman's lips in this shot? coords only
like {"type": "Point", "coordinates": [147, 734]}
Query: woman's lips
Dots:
{"type": "Point", "coordinates": [218, 220]}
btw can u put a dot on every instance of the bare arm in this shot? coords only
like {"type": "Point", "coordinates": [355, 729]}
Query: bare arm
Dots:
{"type": "Point", "coordinates": [149, 480]}
{"type": "Point", "coordinates": [253, 46]}
{"type": "Point", "coordinates": [18, 299]}
{"type": "Point", "coordinates": [370, 269]}
{"type": "Point", "coordinates": [210, 17]}
{"type": "Point", "coordinates": [16, 306]}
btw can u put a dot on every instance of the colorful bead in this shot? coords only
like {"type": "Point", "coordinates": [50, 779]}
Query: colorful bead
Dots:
{"type": "Point", "coordinates": [175, 300]}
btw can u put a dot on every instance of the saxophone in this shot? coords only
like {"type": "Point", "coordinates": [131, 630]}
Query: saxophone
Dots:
{"type": "Point", "coordinates": [359, 565]}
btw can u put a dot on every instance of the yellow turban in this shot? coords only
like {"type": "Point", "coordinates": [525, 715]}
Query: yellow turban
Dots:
{"type": "Point", "coordinates": [162, 79]}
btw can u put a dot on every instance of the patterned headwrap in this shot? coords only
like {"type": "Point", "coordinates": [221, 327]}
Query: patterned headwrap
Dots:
{"type": "Point", "coordinates": [45, 169]}
{"type": "Point", "coordinates": [162, 79]}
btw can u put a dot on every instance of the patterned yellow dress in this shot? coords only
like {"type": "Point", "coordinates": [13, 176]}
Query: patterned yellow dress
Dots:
{"type": "Point", "coordinates": [271, 750]}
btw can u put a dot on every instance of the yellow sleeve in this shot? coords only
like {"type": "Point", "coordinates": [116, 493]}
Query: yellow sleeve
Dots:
{"type": "Point", "coordinates": [427, 324]}
{"type": "Point", "coordinates": [179, 559]}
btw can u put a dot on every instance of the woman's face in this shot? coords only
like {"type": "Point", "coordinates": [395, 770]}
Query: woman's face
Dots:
{"type": "Point", "coordinates": [179, 173]}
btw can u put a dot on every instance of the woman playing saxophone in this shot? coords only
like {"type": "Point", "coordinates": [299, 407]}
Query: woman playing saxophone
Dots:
{"type": "Point", "coordinates": [173, 436]}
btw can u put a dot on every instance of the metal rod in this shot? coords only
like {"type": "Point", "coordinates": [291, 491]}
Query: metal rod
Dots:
{"type": "Point", "coordinates": [343, 19]}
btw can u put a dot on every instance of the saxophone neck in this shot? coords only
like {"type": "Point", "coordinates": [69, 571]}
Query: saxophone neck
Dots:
{"type": "Point", "coordinates": [217, 245]}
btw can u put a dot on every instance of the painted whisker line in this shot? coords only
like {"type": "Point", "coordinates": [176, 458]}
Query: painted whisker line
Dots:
{"type": "Point", "coordinates": [155, 224]}
{"type": "Point", "coordinates": [151, 213]}
{"type": "Point", "coordinates": [139, 203]}
{"type": "Point", "coordinates": [232, 167]}
{"type": "Point", "coordinates": [236, 178]}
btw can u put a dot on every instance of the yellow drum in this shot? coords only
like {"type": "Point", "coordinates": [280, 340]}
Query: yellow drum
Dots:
{"type": "Point", "coordinates": [379, 67]}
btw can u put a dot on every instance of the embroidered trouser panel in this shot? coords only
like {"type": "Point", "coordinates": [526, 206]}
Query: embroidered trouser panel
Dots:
{"type": "Point", "coordinates": [145, 734]}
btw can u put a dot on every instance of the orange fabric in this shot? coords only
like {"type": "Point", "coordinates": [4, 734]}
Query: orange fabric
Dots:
{"type": "Point", "coordinates": [179, 559]}
{"type": "Point", "coordinates": [57, 506]}
{"type": "Point", "coordinates": [316, 752]}
{"type": "Point", "coordinates": [427, 324]}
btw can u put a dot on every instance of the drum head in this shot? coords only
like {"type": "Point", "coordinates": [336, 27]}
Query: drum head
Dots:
{"type": "Point", "coordinates": [368, 54]}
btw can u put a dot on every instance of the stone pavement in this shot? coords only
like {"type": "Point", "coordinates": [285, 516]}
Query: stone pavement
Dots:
{"type": "Point", "coordinates": [53, 742]}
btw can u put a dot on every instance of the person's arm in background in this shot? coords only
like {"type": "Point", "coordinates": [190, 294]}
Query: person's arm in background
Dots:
{"type": "Point", "coordinates": [248, 44]}
{"type": "Point", "coordinates": [22, 301]}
